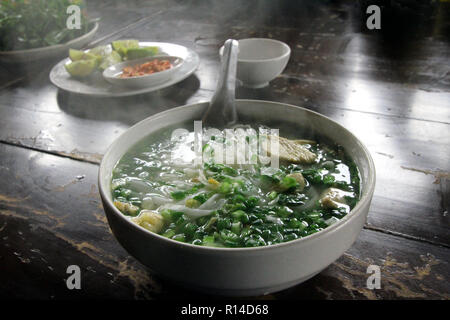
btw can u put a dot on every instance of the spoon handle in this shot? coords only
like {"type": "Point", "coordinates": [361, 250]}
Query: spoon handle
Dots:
{"type": "Point", "coordinates": [222, 109]}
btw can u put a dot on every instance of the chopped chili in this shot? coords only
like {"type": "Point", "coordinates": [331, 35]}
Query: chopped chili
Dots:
{"type": "Point", "coordinates": [146, 68]}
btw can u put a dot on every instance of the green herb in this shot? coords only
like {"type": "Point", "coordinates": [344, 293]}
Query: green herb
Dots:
{"type": "Point", "coordinates": [27, 24]}
{"type": "Point", "coordinates": [178, 195]}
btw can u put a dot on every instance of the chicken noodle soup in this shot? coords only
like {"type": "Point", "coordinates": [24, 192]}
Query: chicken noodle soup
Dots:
{"type": "Point", "coordinates": [160, 186]}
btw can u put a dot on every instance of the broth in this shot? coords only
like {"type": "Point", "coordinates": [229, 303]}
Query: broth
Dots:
{"type": "Point", "coordinates": [158, 185]}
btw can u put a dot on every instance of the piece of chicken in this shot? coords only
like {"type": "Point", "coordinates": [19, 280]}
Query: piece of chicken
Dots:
{"type": "Point", "coordinates": [334, 198]}
{"type": "Point", "coordinates": [290, 150]}
{"type": "Point", "coordinates": [126, 208]}
{"type": "Point", "coordinates": [150, 220]}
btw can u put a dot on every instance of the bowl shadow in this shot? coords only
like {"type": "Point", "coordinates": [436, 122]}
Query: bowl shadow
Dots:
{"type": "Point", "coordinates": [131, 109]}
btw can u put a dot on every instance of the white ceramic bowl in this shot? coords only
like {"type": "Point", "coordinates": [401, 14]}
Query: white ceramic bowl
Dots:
{"type": "Point", "coordinates": [112, 73]}
{"type": "Point", "coordinates": [240, 271]}
{"type": "Point", "coordinates": [260, 60]}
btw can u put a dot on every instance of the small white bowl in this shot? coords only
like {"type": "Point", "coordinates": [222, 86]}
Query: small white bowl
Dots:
{"type": "Point", "coordinates": [260, 60]}
{"type": "Point", "coordinates": [112, 73]}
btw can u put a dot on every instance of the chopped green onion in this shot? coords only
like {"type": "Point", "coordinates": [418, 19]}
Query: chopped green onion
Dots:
{"type": "Point", "coordinates": [288, 183]}
{"type": "Point", "coordinates": [223, 223]}
{"type": "Point", "coordinates": [179, 237]}
{"type": "Point", "coordinates": [201, 197]}
{"type": "Point", "coordinates": [328, 179]}
{"type": "Point", "coordinates": [272, 195]}
{"type": "Point", "coordinates": [236, 227]}
{"type": "Point", "coordinates": [169, 233]}
{"type": "Point", "coordinates": [178, 195]}
{"type": "Point", "coordinates": [240, 215]}
{"type": "Point", "coordinates": [225, 187]}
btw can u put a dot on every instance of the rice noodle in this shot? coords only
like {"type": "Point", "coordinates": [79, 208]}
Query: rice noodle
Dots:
{"type": "Point", "coordinates": [167, 190]}
{"type": "Point", "coordinates": [274, 201]}
{"type": "Point", "coordinates": [314, 196]}
{"type": "Point", "coordinates": [211, 202]}
{"type": "Point", "coordinates": [158, 199]}
{"type": "Point", "coordinates": [139, 185]}
{"type": "Point", "coordinates": [190, 173]}
{"type": "Point", "coordinates": [169, 177]}
{"type": "Point", "coordinates": [192, 212]}
{"type": "Point", "coordinates": [273, 219]}
{"type": "Point", "coordinates": [191, 196]}
{"type": "Point", "coordinates": [201, 177]}
{"type": "Point", "coordinates": [182, 184]}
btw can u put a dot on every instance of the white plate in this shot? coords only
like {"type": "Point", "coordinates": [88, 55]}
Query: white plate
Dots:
{"type": "Point", "coordinates": [35, 54]}
{"type": "Point", "coordinates": [95, 85]}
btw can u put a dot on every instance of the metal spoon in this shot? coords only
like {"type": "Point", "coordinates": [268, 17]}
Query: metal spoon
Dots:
{"type": "Point", "coordinates": [222, 110]}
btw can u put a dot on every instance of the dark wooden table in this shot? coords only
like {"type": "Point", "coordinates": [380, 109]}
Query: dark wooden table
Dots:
{"type": "Point", "coordinates": [391, 87]}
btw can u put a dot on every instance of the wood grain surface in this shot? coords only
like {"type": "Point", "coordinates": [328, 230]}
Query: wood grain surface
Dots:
{"type": "Point", "coordinates": [390, 87]}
